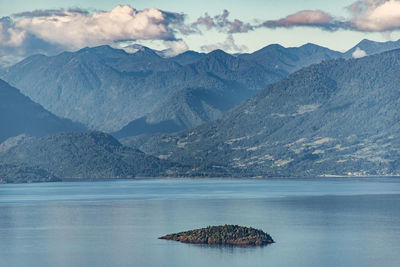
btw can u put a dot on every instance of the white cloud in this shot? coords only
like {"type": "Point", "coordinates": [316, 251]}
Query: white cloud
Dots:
{"type": "Point", "coordinates": [131, 48]}
{"type": "Point", "coordinates": [16, 37]}
{"type": "Point", "coordinates": [77, 29]}
{"type": "Point", "coordinates": [376, 15]}
{"type": "Point", "coordinates": [365, 16]}
{"type": "Point", "coordinates": [358, 53]}
{"type": "Point", "coordinates": [9, 60]}
{"type": "Point", "coordinates": [229, 45]}
{"type": "Point", "coordinates": [162, 48]}
{"type": "Point", "coordinates": [53, 31]}
{"type": "Point", "coordinates": [10, 36]}
{"type": "Point", "coordinates": [174, 48]}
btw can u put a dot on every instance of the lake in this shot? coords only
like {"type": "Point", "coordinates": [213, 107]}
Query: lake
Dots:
{"type": "Point", "coordinates": [315, 222]}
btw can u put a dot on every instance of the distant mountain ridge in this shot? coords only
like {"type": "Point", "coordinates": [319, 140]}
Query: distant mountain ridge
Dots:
{"type": "Point", "coordinates": [283, 60]}
{"type": "Point", "coordinates": [78, 155]}
{"type": "Point", "coordinates": [291, 59]}
{"type": "Point", "coordinates": [339, 117]}
{"type": "Point", "coordinates": [372, 48]}
{"type": "Point", "coordinates": [107, 88]}
{"type": "Point", "coordinates": [20, 115]}
{"type": "Point", "coordinates": [187, 57]}
{"type": "Point", "coordinates": [111, 90]}
{"type": "Point", "coordinates": [20, 173]}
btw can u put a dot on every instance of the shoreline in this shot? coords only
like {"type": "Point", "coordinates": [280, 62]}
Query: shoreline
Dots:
{"type": "Point", "coordinates": [67, 180]}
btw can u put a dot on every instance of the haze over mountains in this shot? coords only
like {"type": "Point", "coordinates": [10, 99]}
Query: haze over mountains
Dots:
{"type": "Point", "coordinates": [336, 117]}
{"type": "Point", "coordinates": [20, 115]}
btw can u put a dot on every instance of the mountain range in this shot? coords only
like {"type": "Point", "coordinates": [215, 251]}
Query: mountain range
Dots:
{"type": "Point", "coordinates": [107, 89]}
{"type": "Point", "coordinates": [338, 117]}
{"type": "Point", "coordinates": [135, 93]}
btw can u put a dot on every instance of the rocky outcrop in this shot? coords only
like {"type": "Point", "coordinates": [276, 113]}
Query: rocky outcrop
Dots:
{"type": "Point", "coordinates": [223, 235]}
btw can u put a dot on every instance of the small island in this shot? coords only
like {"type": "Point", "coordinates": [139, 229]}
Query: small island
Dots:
{"type": "Point", "coordinates": [233, 235]}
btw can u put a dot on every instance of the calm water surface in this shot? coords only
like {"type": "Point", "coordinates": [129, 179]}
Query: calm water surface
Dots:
{"type": "Point", "coordinates": [315, 222]}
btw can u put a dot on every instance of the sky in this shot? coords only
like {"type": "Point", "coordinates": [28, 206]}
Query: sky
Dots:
{"type": "Point", "coordinates": [50, 27]}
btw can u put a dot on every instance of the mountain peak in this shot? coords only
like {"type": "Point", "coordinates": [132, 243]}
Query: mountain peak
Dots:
{"type": "Point", "coordinates": [373, 47]}
{"type": "Point", "coordinates": [273, 46]}
{"type": "Point", "coordinates": [217, 56]}
{"type": "Point", "coordinates": [103, 51]}
{"type": "Point", "coordinates": [311, 46]}
{"type": "Point", "coordinates": [218, 52]}
{"type": "Point", "coordinates": [145, 51]}
{"type": "Point", "coordinates": [189, 52]}
{"type": "Point", "coordinates": [269, 49]}
{"type": "Point", "coordinates": [366, 41]}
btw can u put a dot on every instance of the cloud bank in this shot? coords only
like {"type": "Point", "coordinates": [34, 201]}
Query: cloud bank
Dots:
{"type": "Point", "coordinates": [365, 16]}
{"type": "Point", "coordinates": [376, 15]}
{"type": "Point", "coordinates": [174, 48]}
{"type": "Point", "coordinates": [55, 30]}
{"type": "Point", "coordinates": [76, 29]}
{"type": "Point", "coordinates": [49, 31]}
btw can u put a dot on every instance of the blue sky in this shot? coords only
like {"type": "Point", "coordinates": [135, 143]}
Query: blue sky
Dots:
{"type": "Point", "coordinates": [287, 22]}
